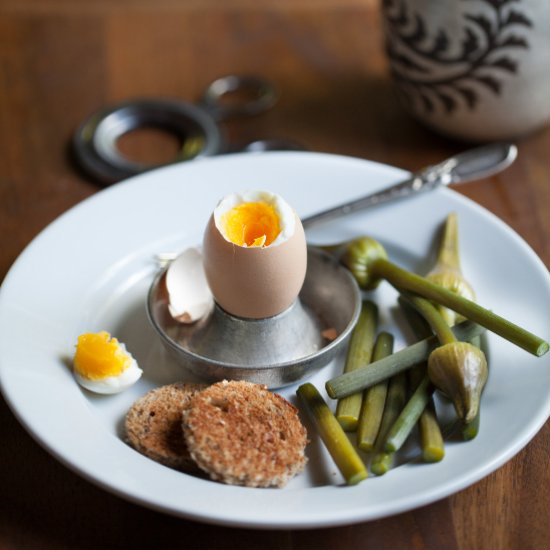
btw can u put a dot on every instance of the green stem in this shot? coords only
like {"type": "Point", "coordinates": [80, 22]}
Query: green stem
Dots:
{"type": "Point", "coordinates": [397, 396]}
{"type": "Point", "coordinates": [431, 439]}
{"type": "Point", "coordinates": [374, 398]}
{"type": "Point", "coordinates": [409, 416]}
{"type": "Point", "coordinates": [370, 374]}
{"type": "Point", "coordinates": [335, 439]}
{"type": "Point", "coordinates": [381, 463]}
{"type": "Point", "coordinates": [405, 280]}
{"type": "Point", "coordinates": [359, 353]}
{"type": "Point", "coordinates": [433, 317]}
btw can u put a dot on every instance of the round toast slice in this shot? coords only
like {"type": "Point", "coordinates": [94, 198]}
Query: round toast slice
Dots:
{"type": "Point", "coordinates": [153, 425]}
{"type": "Point", "coordinates": [240, 433]}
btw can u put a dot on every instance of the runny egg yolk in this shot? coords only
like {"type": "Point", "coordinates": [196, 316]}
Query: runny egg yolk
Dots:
{"type": "Point", "coordinates": [99, 356]}
{"type": "Point", "coordinates": [251, 224]}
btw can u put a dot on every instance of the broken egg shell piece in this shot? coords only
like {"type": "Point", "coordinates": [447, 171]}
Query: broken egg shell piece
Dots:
{"type": "Point", "coordinates": [189, 295]}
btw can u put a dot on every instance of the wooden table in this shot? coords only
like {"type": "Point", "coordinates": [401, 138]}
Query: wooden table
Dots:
{"type": "Point", "coordinates": [60, 60]}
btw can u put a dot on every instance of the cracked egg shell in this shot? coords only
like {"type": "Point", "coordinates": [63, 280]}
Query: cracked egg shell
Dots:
{"type": "Point", "coordinates": [261, 276]}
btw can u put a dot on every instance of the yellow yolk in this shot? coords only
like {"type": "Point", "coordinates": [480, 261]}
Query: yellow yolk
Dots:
{"type": "Point", "coordinates": [253, 224]}
{"type": "Point", "coordinates": [99, 356]}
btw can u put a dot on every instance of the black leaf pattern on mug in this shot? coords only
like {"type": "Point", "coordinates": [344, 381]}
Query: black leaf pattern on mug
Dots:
{"type": "Point", "coordinates": [419, 33]}
{"type": "Point", "coordinates": [489, 82]}
{"type": "Point", "coordinates": [468, 95]}
{"type": "Point", "coordinates": [513, 41]}
{"type": "Point", "coordinates": [480, 57]}
{"type": "Point", "coordinates": [447, 101]}
{"type": "Point", "coordinates": [470, 44]}
{"type": "Point", "coordinates": [505, 63]}
{"type": "Point", "coordinates": [517, 18]}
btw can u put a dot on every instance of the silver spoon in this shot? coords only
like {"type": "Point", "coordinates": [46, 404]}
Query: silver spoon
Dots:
{"type": "Point", "coordinates": [473, 164]}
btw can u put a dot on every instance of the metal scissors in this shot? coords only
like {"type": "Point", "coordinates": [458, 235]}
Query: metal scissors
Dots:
{"type": "Point", "coordinates": [195, 124]}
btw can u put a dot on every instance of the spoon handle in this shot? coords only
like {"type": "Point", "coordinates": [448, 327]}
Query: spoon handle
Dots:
{"type": "Point", "coordinates": [473, 164]}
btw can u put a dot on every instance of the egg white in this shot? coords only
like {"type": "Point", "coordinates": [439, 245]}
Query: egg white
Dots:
{"type": "Point", "coordinates": [287, 218]}
{"type": "Point", "coordinates": [112, 384]}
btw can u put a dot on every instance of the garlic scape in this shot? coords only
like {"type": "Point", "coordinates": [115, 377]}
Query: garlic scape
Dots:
{"type": "Point", "coordinates": [447, 271]}
{"type": "Point", "coordinates": [359, 256]}
{"type": "Point", "coordinates": [359, 354]}
{"type": "Point", "coordinates": [458, 369]}
{"type": "Point", "coordinates": [374, 398]}
{"type": "Point", "coordinates": [431, 437]}
{"type": "Point", "coordinates": [368, 262]}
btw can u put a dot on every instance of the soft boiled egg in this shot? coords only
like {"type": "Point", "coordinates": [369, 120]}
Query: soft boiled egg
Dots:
{"type": "Point", "coordinates": [254, 254]}
{"type": "Point", "coordinates": [103, 365]}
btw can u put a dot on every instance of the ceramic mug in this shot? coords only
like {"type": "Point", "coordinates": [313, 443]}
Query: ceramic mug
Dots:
{"type": "Point", "coordinates": [478, 70]}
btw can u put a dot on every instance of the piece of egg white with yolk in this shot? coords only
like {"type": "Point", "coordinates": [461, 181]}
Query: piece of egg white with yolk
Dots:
{"type": "Point", "coordinates": [102, 364]}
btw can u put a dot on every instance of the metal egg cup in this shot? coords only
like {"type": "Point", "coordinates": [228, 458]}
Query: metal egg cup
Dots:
{"type": "Point", "coordinates": [275, 351]}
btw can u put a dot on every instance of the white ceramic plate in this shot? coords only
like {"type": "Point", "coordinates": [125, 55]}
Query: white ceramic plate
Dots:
{"type": "Point", "coordinates": [90, 270]}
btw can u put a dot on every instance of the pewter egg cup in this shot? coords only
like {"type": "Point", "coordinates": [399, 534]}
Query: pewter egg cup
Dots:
{"type": "Point", "coordinates": [276, 351]}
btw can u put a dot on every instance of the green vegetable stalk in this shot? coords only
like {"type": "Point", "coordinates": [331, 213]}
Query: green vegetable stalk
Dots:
{"type": "Point", "coordinates": [409, 416]}
{"type": "Point", "coordinates": [367, 260]}
{"type": "Point", "coordinates": [458, 369]}
{"type": "Point", "coordinates": [431, 438]}
{"type": "Point", "coordinates": [382, 461]}
{"type": "Point", "coordinates": [359, 354]}
{"type": "Point", "coordinates": [335, 439]}
{"type": "Point", "coordinates": [374, 399]}
{"type": "Point", "coordinates": [365, 377]}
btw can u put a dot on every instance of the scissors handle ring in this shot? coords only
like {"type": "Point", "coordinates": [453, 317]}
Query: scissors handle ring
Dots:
{"type": "Point", "coordinates": [95, 142]}
{"type": "Point", "coordinates": [236, 95]}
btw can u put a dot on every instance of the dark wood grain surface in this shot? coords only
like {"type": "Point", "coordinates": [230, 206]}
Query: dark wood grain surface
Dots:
{"type": "Point", "coordinates": [60, 60]}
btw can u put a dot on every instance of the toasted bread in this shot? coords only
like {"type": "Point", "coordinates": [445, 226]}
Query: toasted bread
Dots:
{"type": "Point", "coordinates": [153, 425]}
{"type": "Point", "coordinates": [242, 434]}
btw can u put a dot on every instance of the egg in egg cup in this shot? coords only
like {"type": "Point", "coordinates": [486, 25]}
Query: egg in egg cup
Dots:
{"type": "Point", "coordinates": [274, 298]}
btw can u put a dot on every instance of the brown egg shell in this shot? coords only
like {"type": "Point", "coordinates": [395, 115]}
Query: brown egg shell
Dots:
{"type": "Point", "coordinates": [254, 282]}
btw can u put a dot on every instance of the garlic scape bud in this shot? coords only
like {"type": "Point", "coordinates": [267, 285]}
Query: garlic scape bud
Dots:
{"type": "Point", "coordinates": [359, 255]}
{"type": "Point", "coordinates": [447, 271]}
{"type": "Point", "coordinates": [458, 369]}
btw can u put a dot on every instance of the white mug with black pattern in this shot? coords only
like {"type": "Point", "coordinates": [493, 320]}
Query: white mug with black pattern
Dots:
{"type": "Point", "coordinates": [477, 70]}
